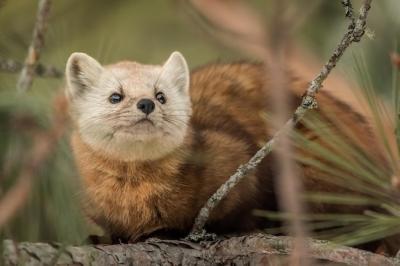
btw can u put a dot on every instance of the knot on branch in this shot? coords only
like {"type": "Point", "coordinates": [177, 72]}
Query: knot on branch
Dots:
{"type": "Point", "coordinates": [199, 236]}
{"type": "Point", "coordinates": [357, 34]}
{"type": "Point", "coordinates": [309, 102]}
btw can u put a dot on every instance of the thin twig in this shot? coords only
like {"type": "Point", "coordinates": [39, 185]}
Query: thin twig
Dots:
{"type": "Point", "coordinates": [13, 66]}
{"type": "Point", "coordinates": [26, 78]}
{"type": "Point", "coordinates": [308, 102]}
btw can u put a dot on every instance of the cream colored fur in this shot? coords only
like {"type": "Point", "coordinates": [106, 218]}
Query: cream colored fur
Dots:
{"type": "Point", "coordinates": [113, 129]}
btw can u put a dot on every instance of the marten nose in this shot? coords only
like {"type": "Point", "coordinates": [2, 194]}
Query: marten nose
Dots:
{"type": "Point", "coordinates": [146, 106]}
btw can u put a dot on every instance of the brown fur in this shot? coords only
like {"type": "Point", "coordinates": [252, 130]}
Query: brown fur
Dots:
{"type": "Point", "coordinates": [135, 199]}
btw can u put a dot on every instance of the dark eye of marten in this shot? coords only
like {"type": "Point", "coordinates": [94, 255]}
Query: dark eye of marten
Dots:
{"type": "Point", "coordinates": [161, 97]}
{"type": "Point", "coordinates": [115, 98]}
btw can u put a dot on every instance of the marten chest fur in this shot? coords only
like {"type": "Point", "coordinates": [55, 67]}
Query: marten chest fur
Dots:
{"type": "Point", "coordinates": [135, 200]}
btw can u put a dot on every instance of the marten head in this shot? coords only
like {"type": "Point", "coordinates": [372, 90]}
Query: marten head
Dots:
{"type": "Point", "coordinates": [128, 111]}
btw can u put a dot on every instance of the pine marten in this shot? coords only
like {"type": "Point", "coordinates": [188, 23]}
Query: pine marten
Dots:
{"type": "Point", "coordinates": [154, 142]}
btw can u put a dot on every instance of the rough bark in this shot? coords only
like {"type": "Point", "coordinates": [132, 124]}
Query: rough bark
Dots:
{"type": "Point", "coordinates": [255, 249]}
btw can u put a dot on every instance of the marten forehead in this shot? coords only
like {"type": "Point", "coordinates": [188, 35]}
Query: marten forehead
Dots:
{"type": "Point", "coordinates": [131, 74]}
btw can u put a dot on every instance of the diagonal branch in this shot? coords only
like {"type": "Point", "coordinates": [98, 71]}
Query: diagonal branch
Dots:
{"type": "Point", "coordinates": [28, 71]}
{"type": "Point", "coordinates": [308, 102]}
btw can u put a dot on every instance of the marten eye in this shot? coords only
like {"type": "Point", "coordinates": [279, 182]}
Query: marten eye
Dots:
{"type": "Point", "coordinates": [161, 97]}
{"type": "Point", "coordinates": [115, 98]}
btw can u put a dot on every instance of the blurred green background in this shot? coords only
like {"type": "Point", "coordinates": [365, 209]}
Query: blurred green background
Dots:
{"type": "Point", "coordinates": [144, 31]}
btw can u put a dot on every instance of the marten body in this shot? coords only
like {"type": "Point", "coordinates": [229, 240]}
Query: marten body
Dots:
{"type": "Point", "coordinates": [131, 197]}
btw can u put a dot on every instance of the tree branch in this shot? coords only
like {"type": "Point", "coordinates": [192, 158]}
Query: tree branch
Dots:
{"type": "Point", "coordinates": [353, 34]}
{"type": "Point", "coordinates": [26, 78]}
{"type": "Point", "coordinates": [12, 66]}
{"type": "Point", "coordinates": [255, 249]}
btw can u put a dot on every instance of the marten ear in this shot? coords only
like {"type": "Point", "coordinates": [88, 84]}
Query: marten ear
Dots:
{"type": "Point", "coordinates": [82, 73]}
{"type": "Point", "coordinates": [176, 72]}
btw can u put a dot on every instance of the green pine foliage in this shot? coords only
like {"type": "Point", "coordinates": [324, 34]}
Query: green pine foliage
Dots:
{"type": "Point", "coordinates": [367, 182]}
